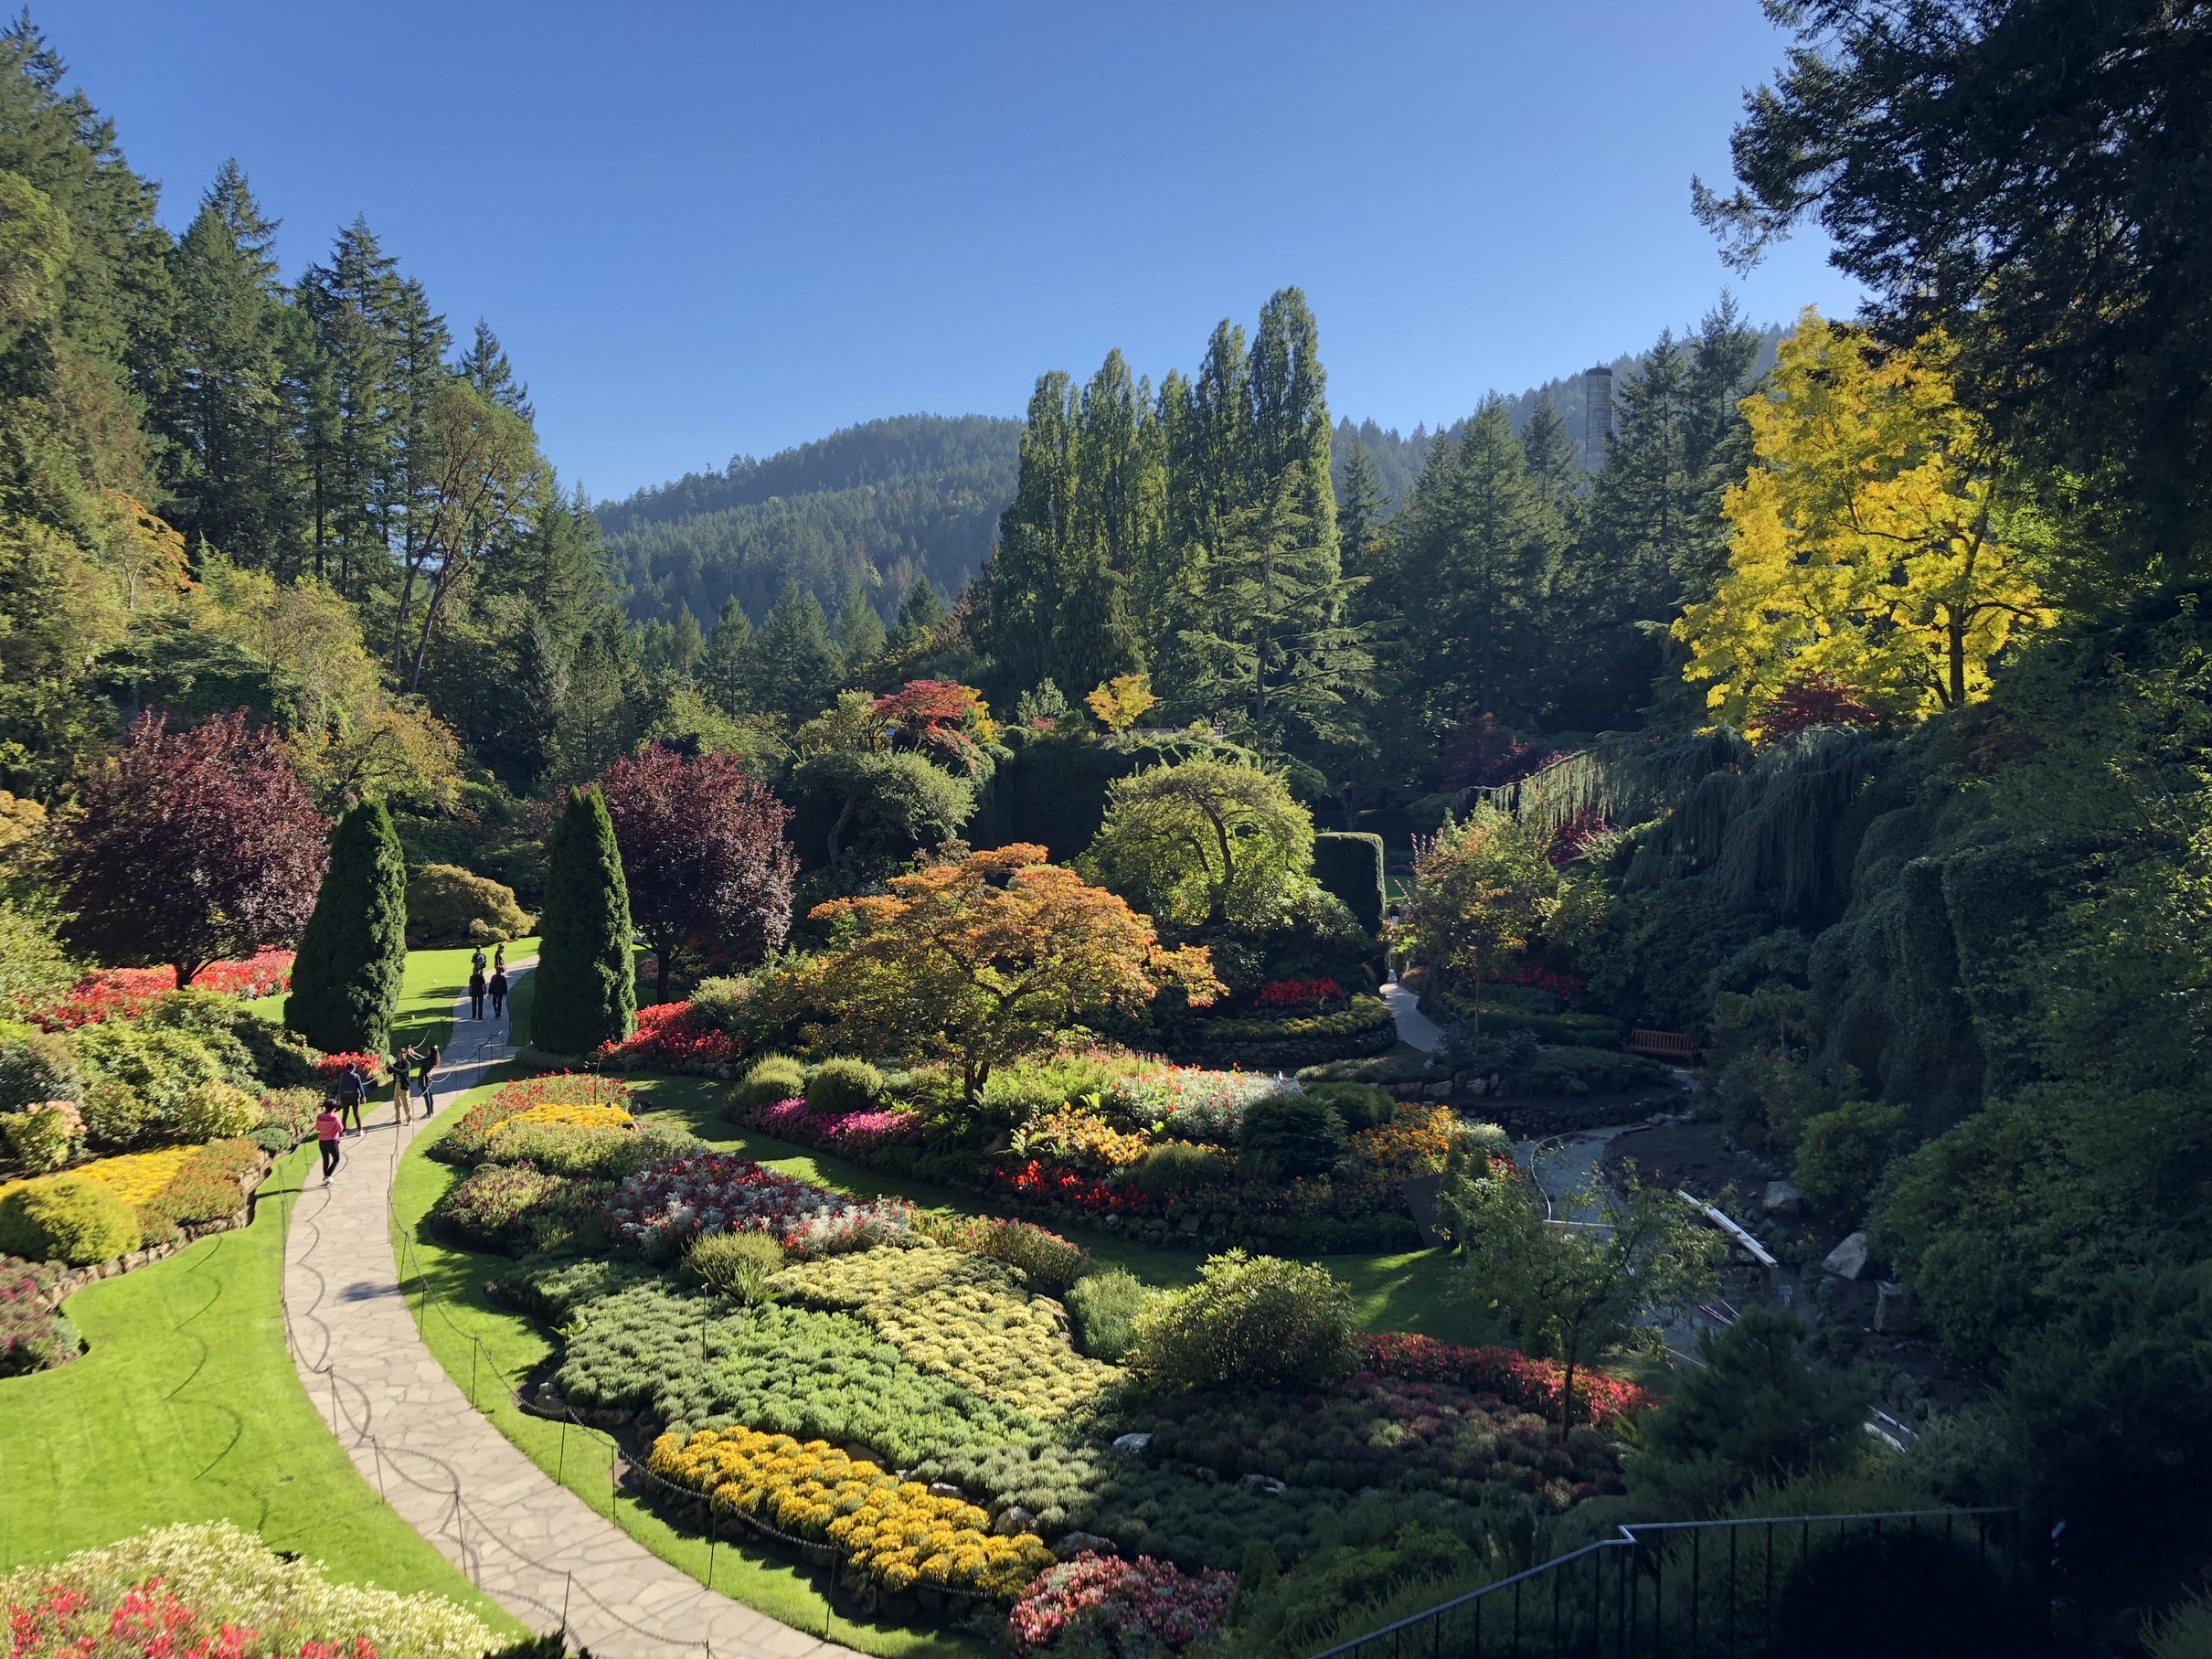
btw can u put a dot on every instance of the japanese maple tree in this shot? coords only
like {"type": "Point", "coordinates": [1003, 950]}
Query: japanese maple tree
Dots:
{"type": "Point", "coordinates": [984, 956]}
{"type": "Point", "coordinates": [704, 853]}
{"type": "Point", "coordinates": [191, 846]}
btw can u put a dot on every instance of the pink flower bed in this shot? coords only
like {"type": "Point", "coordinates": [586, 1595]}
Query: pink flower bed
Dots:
{"type": "Point", "coordinates": [127, 993]}
{"type": "Point", "coordinates": [1132, 1604]}
{"type": "Point", "coordinates": [666, 1205]}
{"type": "Point", "coordinates": [670, 1037]}
{"type": "Point", "coordinates": [1531, 1384]}
{"type": "Point", "coordinates": [851, 1134]}
{"type": "Point", "coordinates": [149, 1623]}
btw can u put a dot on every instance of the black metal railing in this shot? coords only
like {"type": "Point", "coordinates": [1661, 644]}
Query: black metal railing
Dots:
{"type": "Point", "coordinates": [1743, 1589]}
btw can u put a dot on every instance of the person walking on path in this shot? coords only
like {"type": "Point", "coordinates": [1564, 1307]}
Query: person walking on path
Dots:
{"type": "Point", "coordinates": [499, 957]}
{"type": "Point", "coordinates": [353, 1089]}
{"type": "Point", "coordinates": [476, 988]}
{"type": "Point", "coordinates": [328, 1131]}
{"type": "Point", "coordinates": [476, 960]}
{"type": "Point", "coordinates": [424, 1070]}
{"type": "Point", "coordinates": [499, 993]}
{"type": "Point", "coordinates": [403, 1111]}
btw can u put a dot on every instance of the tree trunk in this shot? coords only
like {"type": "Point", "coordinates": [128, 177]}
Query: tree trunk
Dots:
{"type": "Point", "coordinates": [185, 970]}
{"type": "Point", "coordinates": [837, 834]}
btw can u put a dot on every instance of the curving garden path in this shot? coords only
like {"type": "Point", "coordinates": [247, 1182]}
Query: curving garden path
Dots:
{"type": "Point", "coordinates": [533, 1547]}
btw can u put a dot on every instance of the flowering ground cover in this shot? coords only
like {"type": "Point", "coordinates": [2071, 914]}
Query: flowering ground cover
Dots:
{"type": "Point", "coordinates": [849, 1134]}
{"type": "Point", "coordinates": [673, 1036]}
{"type": "Point", "coordinates": [1531, 1384]}
{"type": "Point", "coordinates": [470, 1138]}
{"type": "Point", "coordinates": [1127, 1606]}
{"type": "Point", "coordinates": [666, 1205]}
{"type": "Point", "coordinates": [127, 993]}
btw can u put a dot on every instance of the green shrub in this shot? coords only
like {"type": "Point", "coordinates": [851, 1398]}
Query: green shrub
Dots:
{"type": "Point", "coordinates": [36, 1066]}
{"type": "Point", "coordinates": [162, 1064]}
{"type": "Point", "coordinates": [1103, 1310]}
{"type": "Point", "coordinates": [44, 1135]}
{"type": "Point", "coordinates": [1351, 868]}
{"type": "Point", "coordinates": [1290, 1135]}
{"type": "Point", "coordinates": [67, 1218]}
{"type": "Point", "coordinates": [447, 905]}
{"type": "Point", "coordinates": [774, 1077]}
{"type": "Point", "coordinates": [736, 1265]}
{"type": "Point", "coordinates": [118, 1117]}
{"type": "Point", "coordinates": [292, 1111]}
{"type": "Point", "coordinates": [1570, 1069]}
{"type": "Point", "coordinates": [1047, 1261]}
{"type": "Point", "coordinates": [599, 1154]}
{"type": "Point", "coordinates": [1251, 1322]}
{"type": "Point", "coordinates": [1360, 1105]}
{"type": "Point", "coordinates": [216, 1112]}
{"type": "Point", "coordinates": [843, 1085]}
{"type": "Point", "coordinates": [1841, 1154]}
{"type": "Point", "coordinates": [490, 1210]}
{"type": "Point", "coordinates": [1174, 1167]}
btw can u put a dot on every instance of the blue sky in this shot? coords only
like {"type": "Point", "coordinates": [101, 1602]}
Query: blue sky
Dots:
{"type": "Point", "coordinates": [706, 230]}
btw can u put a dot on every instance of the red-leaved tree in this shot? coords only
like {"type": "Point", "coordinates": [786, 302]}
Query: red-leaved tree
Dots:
{"type": "Point", "coordinates": [703, 852]}
{"type": "Point", "coordinates": [192, 847]}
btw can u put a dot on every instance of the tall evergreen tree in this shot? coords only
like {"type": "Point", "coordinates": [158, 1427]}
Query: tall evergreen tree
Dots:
{"type": "Point", "coordinates": [353, 954]}
{"type": "Point", "coordinates": [1028, 572]}
{"type": "Point", "coordinates": [920, 614]}
{"type": "Point", "coordinates": [861, 635]}
{"type": "Point", "coordinates": [587, 983]}
{"type": "Point", "coordinates": [1360, 513]}
{"type": "Point", "coordinates": [484, 366]}
{"type": "Point", "coordinates": [722, 670]}
{"type": "Point", "coordinates": [792, 668]}
{"type": "Point", "coordinates": [355, 407]}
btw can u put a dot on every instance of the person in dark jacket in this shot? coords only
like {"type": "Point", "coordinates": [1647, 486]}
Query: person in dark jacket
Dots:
{"type": "Point", "coordinates": [476, 988]}
{"type": "Point", "coordinates": [499, 993]}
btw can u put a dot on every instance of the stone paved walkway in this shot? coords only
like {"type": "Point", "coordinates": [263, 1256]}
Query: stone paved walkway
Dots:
{"type": "Point", "coordinates": [533, 1547]}
{"type": "Point", "coordinates": [1413, 1026]}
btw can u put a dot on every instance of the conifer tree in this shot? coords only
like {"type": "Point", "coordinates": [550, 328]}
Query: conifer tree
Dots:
{"type": "Point", "coordinates": [722, 670]}
{"type": "Point", "coordinates": [861, 634]}
{"type": "Point", "coordinates": [1359, 512]}
{"type": "Point", "coordinates": [791, 667]}
{"type": "Point", "coordinates": [587, 986]}
{"type": "Point", "coordinates": [1027, 573]}
{"type": "Point", "coordinates": [353, 954]}
{"type": "Point", "coordinates": [920, 614]}
{"type": "Point", "coordinates": [484, 366]}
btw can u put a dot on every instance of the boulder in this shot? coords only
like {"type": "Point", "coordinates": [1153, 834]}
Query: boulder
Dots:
{"type": "Point", "coordinates": [1847, 1260]}
{"type": "Point", "coordinates": [1082, 1543]}
{"type": "Point", "coordinates": [1264, 1483]}
{"type": "Point", "coordinates": [1013, 1521]}
{"type": "Point", "coordinates": [1133, 1445]}
{"type": "Point", "coordinates": [1781, 1199]}
{"type": "Point", "coordinates": [945, 1489]}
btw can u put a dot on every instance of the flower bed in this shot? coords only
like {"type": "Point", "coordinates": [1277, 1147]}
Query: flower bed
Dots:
{"type": "Point", "coordinates": [468, 1138]}
{"type": "Point", "coordinates": [211, 1592]}
{"type": "Point", "coordinates": [1299, 994]}
{"type": "Point", "coordinates": [664, 1207]}
{"type": "Point", "coordinates": [1531, 1384]}
{"type": "Point", "coordinates": [127, 993]}
{"type": "Point", "coordinates": [960, 1316]}
{"type": "Point", "coordinates": [1083, 1139]}
{"type": "Point", "coordinates": [674, 1037]}
{"type": "Point", "coordinates": [895, 1534]}
{"type": "Point", "coordinates": [850, 1135]}
{"type": "Point", "coordinates": [1046, 1260]}
{"type": "Point", "coordinates": [332, 1066]}
{"type": "Point", "coordinates": [1129, 1606]}
{"type": "Point", "coordinates": [1284, 1042]}
{"type": "Point", "coordinates": [1414, 1142]}
{"type": "Point", "coordinates": [207, 1187]}
{"type": "Point", "coordinates": [1187, 1103]}
{"type": "Point", "coordinates": [32, 1336]}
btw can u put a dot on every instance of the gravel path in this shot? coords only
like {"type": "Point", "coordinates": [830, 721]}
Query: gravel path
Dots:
{"type": "Point", "coordinates": [533, 1547]}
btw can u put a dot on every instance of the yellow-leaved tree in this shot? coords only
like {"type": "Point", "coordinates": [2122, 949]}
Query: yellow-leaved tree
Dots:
{"type": "Point", "coordinates": [1874, 549]}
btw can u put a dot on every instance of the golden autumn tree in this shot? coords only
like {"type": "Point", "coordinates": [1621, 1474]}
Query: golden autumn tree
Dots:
{"type": "Point", "coordinates": [984, 956]}
{"type": "Point", "coordinates": [1121, 702]}
{"type": "Point", "coordinates": [1873, 544]}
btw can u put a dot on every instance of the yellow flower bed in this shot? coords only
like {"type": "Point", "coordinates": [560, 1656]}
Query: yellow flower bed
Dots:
{"type": "Point", "coordinates": [1414, 1142]}
{"type": "Point", "coordinates": [897, 1533]}
{"type": "Point", "coordinates": [957, 1316]}
{"type": "Point", "coordinates": [1086, 1137]}
{"type": "Point", "coordinates": [562, 1114]}
{"type": "Point", "coordinates": [134, 1177]}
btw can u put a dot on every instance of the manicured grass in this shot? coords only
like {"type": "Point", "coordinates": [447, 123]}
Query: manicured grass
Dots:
{"type": "Point", "coordinates": [187, 1408]}
{"type": "Point", "coordinates": [494, 1352]}
{"type": "Point", "coordinates": [435, 981]}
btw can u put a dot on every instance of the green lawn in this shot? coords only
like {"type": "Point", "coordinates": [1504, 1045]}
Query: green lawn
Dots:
{"type": "Point", "coordinates": [187, 1408]}
{"type": "Point", "coordinates": [435, 980]}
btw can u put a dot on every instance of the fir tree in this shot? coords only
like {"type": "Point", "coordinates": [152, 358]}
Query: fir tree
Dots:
{"type": "Point", "coordinates": [791, 667]}
{"type": "Point", "coordinates": [922, 613]}
{"type": "Point", "coordinates": [484, 366]}
{"type": "Point", "coordinates": [346, 978]}
{"type": "Point", "coordinates": [587, 986]}
{"type": "Point", "coordinates": [1360, 513]}
{"type": "Point", "coordinates": [722, 670]}
{"type": "Point", "coordinates": [861, 634]}
{"type": "Point", "coordinates": [1027, 573]}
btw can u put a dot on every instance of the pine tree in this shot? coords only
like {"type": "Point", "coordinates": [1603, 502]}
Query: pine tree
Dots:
{"type": "Point", "coordinates": [920, 614]}
{"type": "Point", "coordinates": [484, 366]}
{"type": "Point", "coordinates": [791, 667]}
{"type": "Point", "coordinates": [354, 406]}
{"type": "Point", "coordinates": [1360, 513]}
{"type": "Point", "coordinates": [587, 983]}
{"type": "Point", "coordinates": [1555, 464]}
{"type": "Point", "coordinates": [861, 634]}
{"type": "Point", "coordinates": [353, 954]}
{"type": "Point", "coordinates": [722, 670]}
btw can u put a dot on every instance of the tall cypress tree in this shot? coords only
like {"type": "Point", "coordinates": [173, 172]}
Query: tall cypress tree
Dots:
{"type": "Point", "coordinates": [346, 978]}
{"type": "Point", "coordinates": [587, 988]}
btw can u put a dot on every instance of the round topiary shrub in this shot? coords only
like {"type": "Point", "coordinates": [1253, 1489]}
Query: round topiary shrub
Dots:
{"type": "Point", "coordinates": [1286, 1136]}
{"type": "Point", "coordinates": [216, 1112]}
{"type": "Point", "coordinates": [1251, 1322]}
{"type": "Point", "coordinates": [44, 1135]}
{"type": "Point", "coordinates": [447, 905]}
{"type": "Point", "coordinates": [776, 1077]}
{"type": "Point", "coordinates": [1360, 1105]}
{"type": "Point", "coordinates": [67, 1218]}
{"type": "Point", "coordinates": [1174, 1167]}
{"type": "Point", "coordinates": [840, 1085]}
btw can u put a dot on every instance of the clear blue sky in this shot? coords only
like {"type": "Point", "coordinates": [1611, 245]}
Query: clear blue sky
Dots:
{"type": "Point", "coordinates": [702, 229]}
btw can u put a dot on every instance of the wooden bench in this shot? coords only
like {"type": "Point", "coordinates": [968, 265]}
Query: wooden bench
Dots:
{"type": "Point", "coordinates": [1662, 1046]}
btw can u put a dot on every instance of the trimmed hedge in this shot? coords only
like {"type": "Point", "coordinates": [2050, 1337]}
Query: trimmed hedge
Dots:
{"type": "Point", "coordinates": [1351, 867]}
{"type": "Point", "coordinates": [1365, 1027]}
{"type": "Point", "coordinates": [1576, 1030]}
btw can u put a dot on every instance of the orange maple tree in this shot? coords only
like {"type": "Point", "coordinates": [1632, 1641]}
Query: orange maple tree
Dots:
{"type": "Point", "coordinates": [984, 956]}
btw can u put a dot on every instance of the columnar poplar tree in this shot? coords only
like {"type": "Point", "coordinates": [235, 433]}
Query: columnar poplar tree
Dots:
{"type": "Point", "coordinates": [586, 993]}
{"type": "Point", "coordinates": [346, 980]}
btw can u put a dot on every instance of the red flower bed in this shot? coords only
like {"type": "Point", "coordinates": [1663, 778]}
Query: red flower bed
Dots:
{"type": "Point", "coordinates": [1564, 985]}
{"type": "Point", "coordinates": [1037, 1182]}
{"type": "Point", "coordinates": [1299, 994]}
{"type": "Point", "coordinates": [331, 1066]}
{"type": "Point", "coordinates": [1135, 1604]}
{"type": "Point", "coordinates": [149, 1623]}
{"type": "Point", "coordinates": [1531, 1384]}
{"type": "Point", "coordinates": [127, 993]}
{"type": "Point", "coordinates": [671, 1036]}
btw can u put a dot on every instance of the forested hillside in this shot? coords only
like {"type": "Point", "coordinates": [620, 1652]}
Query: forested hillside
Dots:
{"type": "Point", "coordinates": [882, 504]}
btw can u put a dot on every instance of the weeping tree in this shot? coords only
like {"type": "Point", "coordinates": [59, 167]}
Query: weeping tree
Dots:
{"type": "Point", "coordinates": [353, 954]}
{"type": "Point", "coordinates": [586, 993]}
